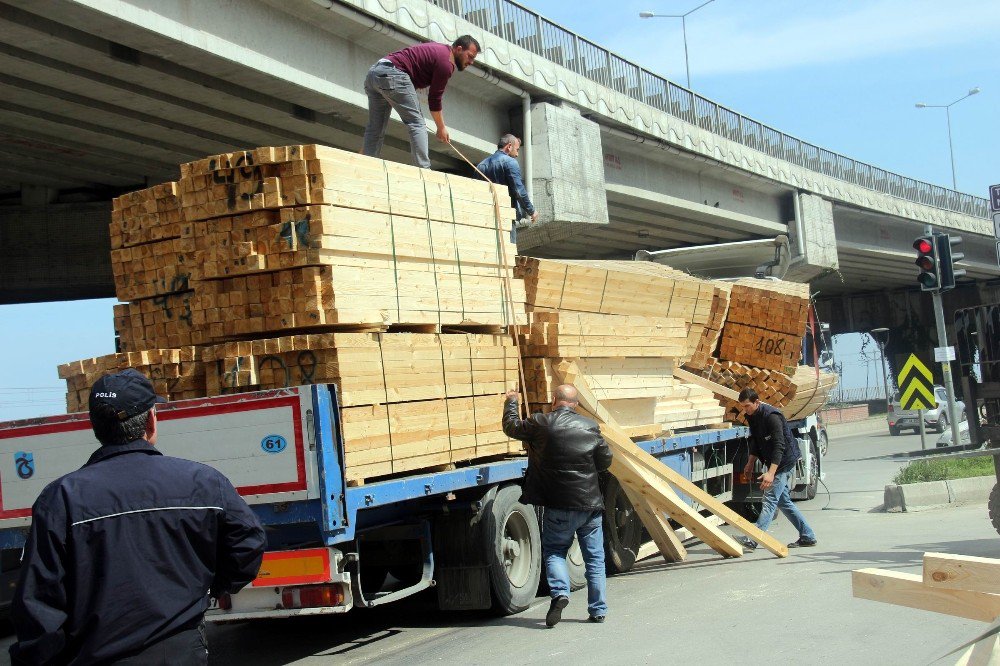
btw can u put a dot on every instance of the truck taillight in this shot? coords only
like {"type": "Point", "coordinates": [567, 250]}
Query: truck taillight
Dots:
{"type": "Point", "coordinates": [312, 596]}
{"type": "Point", "coordinates": [745, 478]}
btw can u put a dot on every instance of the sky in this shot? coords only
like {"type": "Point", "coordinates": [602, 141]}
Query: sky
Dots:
{"type": "Point", "coordinates": [844, 75]}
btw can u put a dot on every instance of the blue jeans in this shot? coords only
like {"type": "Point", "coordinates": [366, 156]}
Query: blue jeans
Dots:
{"type": "Point", "coordinates": [778, 497]}
{"type": "Point", "coordinates": [559, 526]}
{"type": "Point", "coordinates": [389, 88]}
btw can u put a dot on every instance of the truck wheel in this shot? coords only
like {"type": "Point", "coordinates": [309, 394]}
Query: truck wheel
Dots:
{"type": "Point", "coordinates": [942, 425]}
{"type": "Point", "coordinates": [823, 442]}
{"type": "Point", "coordinates": [574, 561]}
{"type": "Point", "coordinates": [513, 550]}
{"type": "Point", "coordinates": [994, 507]}
{"type": "Point", "coordinates": [813, 472]}
{"type": "Point", "coordinates": [622, 529]}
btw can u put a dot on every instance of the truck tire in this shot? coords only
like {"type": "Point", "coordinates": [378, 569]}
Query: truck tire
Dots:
{"type": "Point", "coordinates": [823, 441]}
{"type": "Point", "coordinates": [622, 529]}
{"type": "Point", "coordinates": [942, 424]}
{"type": "Point", "coordinates": [574, 561]}
{"type": "Point", "coordinates": [994, 507]}
{"type": "Point", "coordinates": [513, 550]}
{"type": "Point", "coordinates": [813, 472]}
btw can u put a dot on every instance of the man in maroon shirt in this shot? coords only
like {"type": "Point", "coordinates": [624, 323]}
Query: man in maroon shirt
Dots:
{"type": "Point", "coordinates": [393, 81]}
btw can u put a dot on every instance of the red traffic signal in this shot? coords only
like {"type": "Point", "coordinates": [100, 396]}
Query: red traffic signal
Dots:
{"type": "Point", "coordinates": [927, 261]}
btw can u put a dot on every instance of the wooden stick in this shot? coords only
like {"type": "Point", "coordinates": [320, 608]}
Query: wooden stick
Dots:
{"type": "Point", "coordinates": [906, 589]}
{"type": "Point", "coordinates": [691, 378]}
{"type": "Point", "coordinates": [962, 572]}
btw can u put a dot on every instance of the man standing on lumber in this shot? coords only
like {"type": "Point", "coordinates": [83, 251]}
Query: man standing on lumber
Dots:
{"type": "Point", "coordinates": [502, 168]}
{"type": "Point", "coordinates": [772, 442]}
{"type": "Point", "coordinates": [124, 552]}
{"type": "Point", "coordinates": [565, 454]}
{"type": "Point", "coordinates": [393, 81]}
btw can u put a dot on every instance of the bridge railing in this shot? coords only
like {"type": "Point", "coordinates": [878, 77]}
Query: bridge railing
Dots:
{"type": "Point", "coordinates": [520, 25]}
{"type": "Point", "coordinates": [856, 395]}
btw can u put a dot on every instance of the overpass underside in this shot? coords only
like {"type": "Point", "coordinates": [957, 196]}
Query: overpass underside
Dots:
{"type": "Point", "coordinates": [100, 98]}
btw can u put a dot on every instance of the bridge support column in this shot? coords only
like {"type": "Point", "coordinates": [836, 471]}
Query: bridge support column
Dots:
{"type": "Point", "coordinates": [568, 174]}
{"type": "Point", "coordinates": [812, 236]}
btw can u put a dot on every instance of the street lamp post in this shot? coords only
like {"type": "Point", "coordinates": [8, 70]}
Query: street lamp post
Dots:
{"type": "Point", "coordinates": [947, 112]}
{"type": "Point", "coordinates": [683, 18]}
{"type": "Point", "coordinates": [881, 336]}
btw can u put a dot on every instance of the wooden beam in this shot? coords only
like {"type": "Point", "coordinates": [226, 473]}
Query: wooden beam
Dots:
{"type": "Point", "coordinates": [906, 589]}
{"type": "Point", "coordinates": [962, 572]}
{"type": "Point", "coordinates": [569, 371]}
{"type": "Point", "coordinates": [636, 477]}
{"type": "Point", "coordinates": [690, 377]}
{"type": "Point", "coordinates": [666, 541]}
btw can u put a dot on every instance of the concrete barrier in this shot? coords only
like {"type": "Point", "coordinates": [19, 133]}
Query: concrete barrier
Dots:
{"type": "Point", "coordinates": [936, 494]}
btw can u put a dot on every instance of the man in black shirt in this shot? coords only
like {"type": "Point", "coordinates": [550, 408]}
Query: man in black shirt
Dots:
{"type": "Point", "coordinates": [772, 441]}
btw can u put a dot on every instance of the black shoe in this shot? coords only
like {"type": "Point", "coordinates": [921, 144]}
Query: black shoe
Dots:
{"type": "Point", "coordinates": [555, 611]}
{"type": "Point", "coordinates": [802, 543]}
{"type": "Point", "coordinates": [747, 543]}
{"type": "Point", "coordinates": [597, 618]}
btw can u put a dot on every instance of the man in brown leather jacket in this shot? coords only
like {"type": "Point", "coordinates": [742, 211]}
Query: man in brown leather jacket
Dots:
{"type": "Point", "coordinates": [565, 455]}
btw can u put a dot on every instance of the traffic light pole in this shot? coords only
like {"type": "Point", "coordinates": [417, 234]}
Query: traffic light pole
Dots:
{"type": "Point", "coordinates": [949, 385]}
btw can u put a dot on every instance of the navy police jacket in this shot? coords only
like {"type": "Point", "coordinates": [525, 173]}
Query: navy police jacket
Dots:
{"type": "Point", "coordinates": [124, 552]}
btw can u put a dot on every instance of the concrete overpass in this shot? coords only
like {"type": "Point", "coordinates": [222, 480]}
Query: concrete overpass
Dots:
{"type": "Point", "coordinates": [98, 97]}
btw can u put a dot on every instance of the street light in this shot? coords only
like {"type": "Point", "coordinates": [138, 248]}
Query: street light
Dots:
{"type": "Point", "coordinates": [881, 336]}
{"type": "Point", "coordinates": [683, 18]}
{"type": "Point", "coordinates": [947, 111]}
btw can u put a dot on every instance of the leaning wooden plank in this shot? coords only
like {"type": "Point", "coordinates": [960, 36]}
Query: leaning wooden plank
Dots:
{"type": "Point", "coordinates": [962, 572]}
{"type": "Point", "coordinates": [981, 653]}
{"type": "Point", "coordinates": [661, 496]}
{"type": "Point", "coordinates": [692, 378]}
{"type": "Point", "coordinates": [659, 528]}
{"type": "Point", "coordinates": [570, 373]}
{"type": "Point", "coordinates": [906, 589]}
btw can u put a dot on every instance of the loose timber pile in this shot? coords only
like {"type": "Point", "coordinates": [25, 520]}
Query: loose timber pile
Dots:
{"type": "Point", "coordinates": [957, 585]}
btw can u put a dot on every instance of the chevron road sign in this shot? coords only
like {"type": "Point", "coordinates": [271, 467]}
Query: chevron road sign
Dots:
{"type": "Point", "coordinates": [916, 385]}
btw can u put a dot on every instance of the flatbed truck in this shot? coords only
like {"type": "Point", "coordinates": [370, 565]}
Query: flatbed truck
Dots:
{"type": "Point", "coordinates": [334, 545]}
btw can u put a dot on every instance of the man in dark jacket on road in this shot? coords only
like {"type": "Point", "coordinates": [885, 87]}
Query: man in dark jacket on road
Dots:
{"type": "Point", "coordinates": [124, 552]}
{"type": "Point", "coordinates": [772, 441]}
{"type": "Point", "coordinates": [565, 454]}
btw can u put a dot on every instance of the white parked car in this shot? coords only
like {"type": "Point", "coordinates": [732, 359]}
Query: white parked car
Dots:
{"type": "Point", "coordinates": [935, 419]}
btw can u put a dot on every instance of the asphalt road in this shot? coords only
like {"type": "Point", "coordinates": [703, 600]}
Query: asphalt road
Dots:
{"type": "Point", "coordinates": [757, 608]}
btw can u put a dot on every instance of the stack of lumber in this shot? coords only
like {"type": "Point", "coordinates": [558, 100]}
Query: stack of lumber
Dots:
{"type": "Point", "coordinates": [797, 395]}
{"type": "Point", "coordinates": [629, 324]}
{"type": "Point", "coordinates": [290, 265]}
{"type": "Point", "coordinates": [274, 240]}
{"type": "Point", "coordinates": [708, 343]}
{"type": "Point", "coordinates": [765, 324]}
{"type": "Point", "coordinates": [957, 585]}
{"type": "Point", "coordinates": [641, 393]}
{"type": "Point", "coordinates": [176, 374]}
{"type": "Point", "coordinates": [408, 400]}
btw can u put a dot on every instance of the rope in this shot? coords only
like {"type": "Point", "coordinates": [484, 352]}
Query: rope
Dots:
{"type": "Point", "coordinates": [392, 238]}
{"type": "Point", "coordinates": [458, 251]}
{"type": "Point", "coordinates": [507, 286]}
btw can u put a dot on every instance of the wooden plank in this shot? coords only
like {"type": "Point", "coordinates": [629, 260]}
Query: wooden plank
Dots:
{"type": "Point", "coordinates": [962, 572]}
{"type": "Point", "coordinates": [906, 589]}
{"type": "Point", "coordinates": [654, 468]}
{"type": "Point", "coordinates": [705, 383]}
{"type": "Point", "coordinates": [669, 546]}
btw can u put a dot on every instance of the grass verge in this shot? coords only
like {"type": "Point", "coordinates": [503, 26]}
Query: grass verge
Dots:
{"type": "Point", "coordinates": [940, 470]}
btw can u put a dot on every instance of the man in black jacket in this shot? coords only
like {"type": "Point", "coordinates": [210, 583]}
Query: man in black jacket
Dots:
{"type": "Point", "coordinates": [124, 552]}
{"type": "Point", "coordinates": [772, 441]}
{"type": "Point", "coordinates": [565, 454]}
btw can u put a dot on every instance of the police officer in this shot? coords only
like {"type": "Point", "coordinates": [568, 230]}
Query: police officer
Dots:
{"type": "Point", "coordinates": [772, 441]}
{"type": "Point", "coordinates": [124, 552]}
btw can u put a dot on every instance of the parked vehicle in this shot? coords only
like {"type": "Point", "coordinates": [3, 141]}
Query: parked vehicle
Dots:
{"type": "Point", "coordinates": [936, 418]}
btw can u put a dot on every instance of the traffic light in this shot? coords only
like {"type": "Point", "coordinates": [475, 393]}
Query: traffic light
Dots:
{"type": "Point", "coordinates": [947, 258]}
{"type": "Point", "coordinates": [927, 262]}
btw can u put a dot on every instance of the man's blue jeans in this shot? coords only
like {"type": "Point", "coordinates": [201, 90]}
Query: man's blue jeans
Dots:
{"type": "Point", "coordinates": [389, 88]}
{"type": "Point", "coordinates": [778, 497]}
{"type": "Point", "coordinates": [558, 529]}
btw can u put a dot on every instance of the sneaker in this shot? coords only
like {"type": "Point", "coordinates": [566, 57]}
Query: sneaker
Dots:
{"type": "Point", "coordinates": [597, 618]}
{"type": "Point", "coordinates": [555, 611]}
{"type": "Point", "coordinates": [802, 543]}
{"type": "Point", "coordinates": [747, 543]}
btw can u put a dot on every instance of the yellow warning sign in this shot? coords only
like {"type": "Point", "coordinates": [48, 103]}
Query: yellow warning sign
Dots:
{"type": "Point", "coordinates": [916, 385]}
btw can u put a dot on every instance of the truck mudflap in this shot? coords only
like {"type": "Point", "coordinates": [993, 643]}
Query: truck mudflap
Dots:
{"type": "Point", "coordinates": [290, 583]}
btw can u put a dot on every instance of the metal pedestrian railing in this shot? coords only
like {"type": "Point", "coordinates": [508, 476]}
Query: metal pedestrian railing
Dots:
{"type": "Point", "coordinates": [519, 25]}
